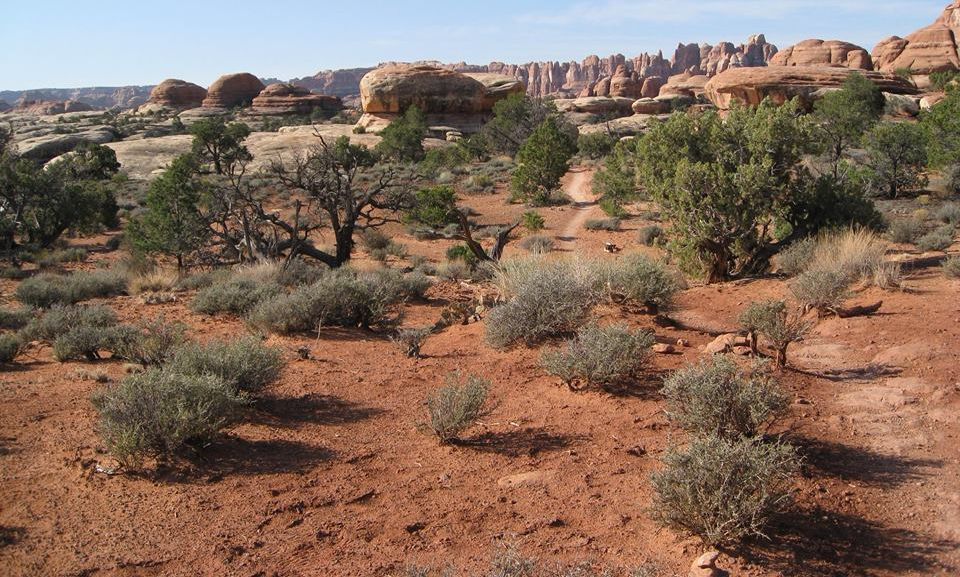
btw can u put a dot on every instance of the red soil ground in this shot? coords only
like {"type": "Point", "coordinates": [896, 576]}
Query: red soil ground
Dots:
{"type": "Point", "coordinates": [330, 476]}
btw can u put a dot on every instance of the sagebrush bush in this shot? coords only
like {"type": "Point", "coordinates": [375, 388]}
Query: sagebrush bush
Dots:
{"type": "Point", "coordinates": [60, 320]}
{"type": "Point", "coordinates": [83, 343]}
{"type": "Point", "coordinates": [716, 398]}
{"type": "Point", "coordinates": [951, 267]}
{"type": "Point", "coordinates": [537, 244]}
{"type": "Point", "coordinates": [374, 239]}
{"type": "Point", "coordinates": [771, 320]}
{"type": "Point", "coordinates": [949, 213]}
{"type": "Point", "coordinates": [15, 319]}
{"type": "Point", "coordinates": [600, 356]}
{"type": "Point", "coordinates": [454, 270]}
{"type": "Point", "coordinates": [723, 490]}
{"type": "Point", "coordinates": [45, 290]}
{"type": "Point", "coordinates": [159, 412]}
{"type": "Point", "coordinates": [147, 343]}
{"type": "Point", "coordinates": [244, 364]}
{"type": "Point", "coordinates": [905, 231]}
{"type": "Point", "coordinates": [201, 280]}
{"type": "Point", "coordinates": [546, 299]}
{"type": "Point", "coordinates": [795, 259]}
{"type": "Point", "coordinates": [10, 345]}
{"type": "Point", "coordinates": [237, 296]}
{"type": "Point", "coordinates": [456, 406]}
{"type": "Point", "coordinates": [343, 297]}
{"type": "Point", "coordinates": [937, 240]}
{"type": "Point", "coordinates": [650, 234]}
{"type": "Point", "coordinates": [636, 278]}
{"type": "Point", "coordinates": [411, 340]}
{"type": "Point", "coordinates": [607, 224]}
{"type": "Point", "coordinates": [821, 290]}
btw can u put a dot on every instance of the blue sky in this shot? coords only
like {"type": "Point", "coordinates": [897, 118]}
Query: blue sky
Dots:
{"type": "Point", "coordinates": [65, 43]}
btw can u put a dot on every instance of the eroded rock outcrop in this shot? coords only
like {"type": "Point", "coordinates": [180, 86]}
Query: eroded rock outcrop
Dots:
{"type": "Point", "coordinates": [817, 52]}
{"type": "Point", "coordinates": [177, 94]}
{"type": "Point", "coordinates": [782, 83]}
{"type": "Point", "coordinates": [284, 98]}
{"type": "Point", "coordinates": [233, 90]}
{"type": "Point", "coordinates": [47, 108]}
{"type": "Point", "coordinates": [928, 50]}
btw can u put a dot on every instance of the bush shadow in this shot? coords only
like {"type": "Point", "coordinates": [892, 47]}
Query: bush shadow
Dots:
{"type": "Point", "coordinates": [520, 442]}
{"type": "Point", "coordinates": [316, 409]}
{"type": "Point", "coordinates": [860, 464]}
{"type": "Point", "coordinates": [238, 456]}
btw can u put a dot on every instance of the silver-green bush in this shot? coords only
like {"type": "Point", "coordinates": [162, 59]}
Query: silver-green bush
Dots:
{"type": "Point", "coordinates": [600, 356]}
{"type": "Point", "coordinates": [455, 407]}
{"type": "Point", "coordinates": [245, 364]}
{"type": "Point", "coordinates": [10, 345]}
{"type": "Point", "coordinates": [822, 290]}
{"type": "Point", "coordinates": [60, 320]}
{"type": "Point", "coordinates": [937, 240]}
{"type": "Point", "coordinates": [636, 278]}
{"type": "Point", "coordinates": [794, 259]}
{"type": "Point", "coordinates": [236, 296]}
{"type": "Point", "coordinates": [46, 290]}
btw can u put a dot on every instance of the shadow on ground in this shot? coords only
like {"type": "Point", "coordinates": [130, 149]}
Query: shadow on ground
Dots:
{"type": "Point", "coordinates": [862, 465]}
{"type": "Point", "coordinates": [520, 443]}
{"type": "Point", "coordinates": [314, 409]}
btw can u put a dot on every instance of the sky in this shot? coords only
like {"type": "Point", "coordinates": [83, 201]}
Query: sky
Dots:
{"type": "Point", "coordinates": [66, 44]}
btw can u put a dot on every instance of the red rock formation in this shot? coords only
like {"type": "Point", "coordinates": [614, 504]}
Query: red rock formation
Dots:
{"type": "Point", "coordinates": [928, 50]}
{"type": "Point", "coordinates": [824, 53]}
{"type": "Point", "coordinates": [783, 83]}
{"type": "Point", "coordinates": [285, 98]}
{"type": "Point", "coordinates": [651, 86]}
{"type": "Point", "coordinates": [179, 94]}
{"type": "Point", "coordinates": [233, 90]}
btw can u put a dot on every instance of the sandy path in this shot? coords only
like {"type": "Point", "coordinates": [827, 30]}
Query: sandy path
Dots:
{"type": "Point", "coordinates": [578, 188]}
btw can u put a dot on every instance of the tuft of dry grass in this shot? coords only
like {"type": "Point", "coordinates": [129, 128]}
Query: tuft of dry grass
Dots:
{"type": "Point", "coordinates": [155, 281]}
{"type": "Point", "coordinates": [857, 253]}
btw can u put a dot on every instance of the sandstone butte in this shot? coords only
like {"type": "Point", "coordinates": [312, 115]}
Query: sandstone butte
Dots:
{"type": "Point", "coordinates": [233, 90]}
{"type": "Point", "coordinates": [285, 98]}
{"type": "Point", "coordinates": [47, 108]}
{"type": "Point", "coordinates": [177, 94]}
{"type": "Point", "coordinates": [817, 52]}
{"type": "Point", "coordinates": [782, 83]}
{"type": "Point", "coordinates": [928, 50]}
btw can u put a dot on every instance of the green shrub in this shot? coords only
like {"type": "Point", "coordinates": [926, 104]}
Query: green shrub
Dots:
{"type": "Point", "coordinates": [342, 297]}
{"type": "Point", "coordinates": [595, 146]}
{"type": "Point", "coordinates": [236, 296]}
{"type": "Point", "coordinates": [243, 365]}
{"type": "Point", "coordinates": [10, 346]}
{"type": "Point", "coordinates": [951, 267]}
{"type": "Point", "coordinates": [949, 213]}
{"type": "Point", "coordinates": [723, 490]}
{"type": "Point", "coordinates": [608, 224]}
{"type": "Point", "coordinates": [795, 259]}
{"type": "Point", "coordinates": [636, 278]}
{"type": "Point", "coordinates": [821, 290]}
{"type": "Point", "coordinates": [15, 319]}
{"type": "Point", "coordinates": [159, 412]}
{"type": "Point", "coordinates": [905, 231]}
{"type": "Point", "coordinates": [60, 320]}
{"type": "Point", "coordinates": [46, 290]}
{"type": "Point", "coordinates": [650, 235]}
{"type": "Point", "coordinates": [771, 320]}
{"type": "Point", "coordinates": [546, 299]}
{"type": "Point", "coordinates": [83, 343]}
{"type": "Point", "coordinates": [537, 244]}
{"type": "Point", "coordinates": [533, 221]}
{"type": "Point", "coordinates": [937, 240]}
{"type": "Point", "coordinates": [716, 398]}
{"type": "Point", "coordinates": [455, 407]}
{"type": "Point", "coordinates": [148, 343]}
{"type": "Point", "coordinates": [600, 356]}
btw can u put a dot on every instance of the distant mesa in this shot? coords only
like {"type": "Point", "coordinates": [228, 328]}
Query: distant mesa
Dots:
{"type": "Point", "coordinates": [928, 50]}
{"type": "Point", "coordinates": [232, 90]}
{"type": "Point", "coordinates": [4, 106]}
{"type": "Point", "coordinates": [177, 94]}
{"type": "Point", "coordinates": [285, 98]}
{"type": "Point", "coordinates": [816, 52]}
{"type": "Point", "coordinates": [48, 108]}
{"type": "Point", "coordinates": [782, 83]}
{"type": "Point", "coordinates": [451, 98]}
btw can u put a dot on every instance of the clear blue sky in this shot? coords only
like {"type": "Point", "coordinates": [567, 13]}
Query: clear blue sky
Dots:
{"type": "Point", "coordinates": [66, 43]}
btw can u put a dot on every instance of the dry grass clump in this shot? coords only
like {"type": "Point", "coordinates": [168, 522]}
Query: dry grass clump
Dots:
{"type": "Point", "coordinates": [857, 253]}
{"type": "Point", "coordinates": [600, 356]}
{"type": "Point", "coordinates": [821, 290]}
{"type": "Point", "coordinates": [455, 407]}
{"type": "Point", "coordinates": [545, 299]}
{"type": "Point", "coordinates": [155, 281]}
{"type": "Point", "coordinates": [724, 490]}
{"type": "Point", "coordinates": [716, 398]}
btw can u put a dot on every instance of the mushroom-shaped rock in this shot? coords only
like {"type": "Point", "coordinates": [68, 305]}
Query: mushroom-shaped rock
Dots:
{"type": "Point", "coordinates": [233, 90]}
{"type": "Point", "coordinates": [285, 98]}
{"type": "Point", "coordinates": [178, 94]}
{"type": "Point", "coordinates": [392, 89]}
{"type": "Point", "coordinates": [928, 50]}
{"type": "Point", "coordinates": [782, 83]}
{"type": "Point", "coordinates": [817, 52]}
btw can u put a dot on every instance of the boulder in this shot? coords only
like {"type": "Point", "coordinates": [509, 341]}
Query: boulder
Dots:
{"type": "Point", "coordinates": [177, 94]}
{"type": "Point", "coordinates": [651, 87]}
{"type": "Point", "coordinates": [233, 90]}
{"type": "Point", "coordinates": [901, 105]}
{"type": "Point", "coordinates": [928, 50]}
{"type": "Point", "coordinates": [651, 106]}
{"type": "Point", "coordinates": [686, 84]}
{"type": "Point", "coordinates": [497, 87]}
{"type": "Point", "coordinates": [52, 145]}
{"type": "Point", "coordinates": [393, 89]}
{"type": "Point", "coordinates": [782, 83]}
{"type": "Point", "coordinates": [706, 566]}
{"type": "Point", "coordinates": [931, 100]}
{"type": "Point", "coordinates": [283, 98]}
{"type": "Point", "coordinates": [599, 105]}
{"type": "Point", "coordinates": [817, 52]}
{"type": "Point", "coordinates": [623, 84]}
